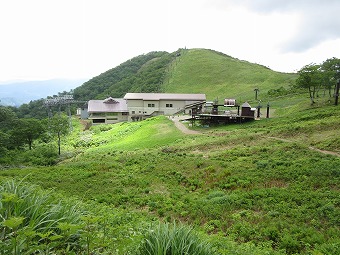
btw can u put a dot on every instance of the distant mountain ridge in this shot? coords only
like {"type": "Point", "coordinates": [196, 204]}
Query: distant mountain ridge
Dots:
{"type": "Point", "coordinates": [185, 71]}
{"type": "Point", "coordinates": [20, 92]}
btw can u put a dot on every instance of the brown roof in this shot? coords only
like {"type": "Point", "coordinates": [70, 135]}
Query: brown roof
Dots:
{"type": "Point", "coordinates": [108, 105]}
{"type": "Point", "coordinates": [164, 96]}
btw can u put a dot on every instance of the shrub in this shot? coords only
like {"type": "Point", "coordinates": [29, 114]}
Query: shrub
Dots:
{"type": "Point", "coordinates": [166, 239]}
{"type": "Point", "coordinates": [43, 155]}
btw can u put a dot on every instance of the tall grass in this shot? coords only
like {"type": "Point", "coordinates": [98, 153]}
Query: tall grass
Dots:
{"type": "Point", "coordinates": [174, 239]}
{"type": "Point", "coordinates": [30, 218]}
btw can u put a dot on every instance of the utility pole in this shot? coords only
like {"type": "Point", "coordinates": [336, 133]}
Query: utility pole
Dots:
{"type": "Point", "coordinates": [256, 93]}
{"type": "Point", "coordinates": [258, 109]}
{"type": "Point", "coordinates": [337, 85]}
{"type": "Point", "coordinates": [267, 116]}
{"type": "Point", "coordinates": [337, 92]}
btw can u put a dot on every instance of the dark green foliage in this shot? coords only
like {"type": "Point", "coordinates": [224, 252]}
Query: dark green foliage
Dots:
{"type": "Point", "coordinates": [26, 131]}
{"type": "Point", "coordinates": [59, 126]}
{"type": "Point", "coordinates": [310, 78]}
{"type": "Point", "coordinates": [144, 73]}
{"type": "Point", "coordinates": [331, 74]}
{"type": "Point", "coordinates": [316, 77]}
{"type": "Point", "coordinates": [7, 117]}
{"type": "Point", "coordinates": [34, 109]}
{"type": "Point", "coordinates": [42, 155]}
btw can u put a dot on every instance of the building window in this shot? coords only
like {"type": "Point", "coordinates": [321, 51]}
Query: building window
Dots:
{"type": "Point", "coordinates": [97, 114]}
{"type": "Point", "coordinates": [151, 105]}
{"type": "Point", "coordinates": [126, 113]}
{"type": "Point", "coordinates": [98, 120]}
{"type": "Point", "coordinates": [111, 113]}
{"type": "Point", "coordinates": [133, 112]}
{"type": "Point", "coordinates": [168, 105]}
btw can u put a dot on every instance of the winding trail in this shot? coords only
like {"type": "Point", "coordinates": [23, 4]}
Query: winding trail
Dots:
{"type": "Point", "coordinates": [177, 121]}
{"type": "Point", "coordinates": [309, 147]}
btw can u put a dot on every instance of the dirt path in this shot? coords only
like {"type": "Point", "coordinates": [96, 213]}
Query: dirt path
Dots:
{"type": "Point", "coordinates": [177, 121]}
{"type": "Point", "coordinates": [309, 147]}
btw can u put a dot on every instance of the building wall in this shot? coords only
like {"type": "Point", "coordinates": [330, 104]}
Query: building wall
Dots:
{"type": "Point", "coordinates": [140, 108]}
{"type": "Point", "coordinates": [108, 118]}
{"type": "Point", "coordinates": [84, 114]}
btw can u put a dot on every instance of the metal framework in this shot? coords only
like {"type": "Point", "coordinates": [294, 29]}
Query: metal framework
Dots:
{"type": "Point", "coordinates": [66, 100]}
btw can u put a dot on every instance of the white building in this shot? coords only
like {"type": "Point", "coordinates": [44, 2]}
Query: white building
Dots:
{"type": "Point", "coordinates": [144, 105]}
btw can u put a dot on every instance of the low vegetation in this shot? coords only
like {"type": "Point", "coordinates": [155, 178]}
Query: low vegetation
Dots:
{"type": "Point", "coordinates": [270, 186]}
{"type": "Point", "coordinates": [260, 187]}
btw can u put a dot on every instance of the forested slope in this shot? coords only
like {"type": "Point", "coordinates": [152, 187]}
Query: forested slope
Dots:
{"type": "Point", "coordinates": [143, 73]}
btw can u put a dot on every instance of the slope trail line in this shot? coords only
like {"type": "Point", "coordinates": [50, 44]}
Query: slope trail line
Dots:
{"type": "Point", "coordinates": [309, 147]}
{"type": "Point", "coordinates": [177, 121]}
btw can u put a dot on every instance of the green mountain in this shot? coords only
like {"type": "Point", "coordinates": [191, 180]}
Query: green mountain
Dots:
{"type": "Point", "coordinates": [144, 73]}
{"type": "Point", "coordinates": [186, 71]}
{"type": "Point", "coordinates": [217, 75]}
{"type": "Point", "coordinates": [221, 76]}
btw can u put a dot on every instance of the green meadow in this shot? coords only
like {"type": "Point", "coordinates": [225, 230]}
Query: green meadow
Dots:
{"type": "Point", "coordinates": [258, 188]}
{"type": "Point", "coordinates": [270, 186]}
{"type": "Point", "coordinates": [220, 76]}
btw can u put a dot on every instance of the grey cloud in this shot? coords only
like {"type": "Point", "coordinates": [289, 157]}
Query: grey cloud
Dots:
{"type": "Point", "coordinates": [319, 23]}
{"type": "Point", "coordinates": [264, 6]}
{"type": "Point", "coordinates": [319, 19]}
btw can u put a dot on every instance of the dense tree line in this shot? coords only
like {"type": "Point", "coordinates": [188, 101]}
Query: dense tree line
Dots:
{"type": "Point", "coordinates": [140, 74]}
{"type": "Point", "coordinates": [319, 77]}
{"type": "Point", "coordinates": [19, 135]}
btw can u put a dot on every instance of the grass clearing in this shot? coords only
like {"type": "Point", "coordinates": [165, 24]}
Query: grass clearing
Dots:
{"type": "Point", "coordinates": [215, 72]}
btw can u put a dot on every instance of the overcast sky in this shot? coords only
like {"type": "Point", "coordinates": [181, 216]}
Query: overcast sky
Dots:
{"type": "Point", "coordinates": [45, 39]}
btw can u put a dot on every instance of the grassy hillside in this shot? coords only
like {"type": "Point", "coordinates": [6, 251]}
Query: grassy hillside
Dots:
{"type": "Point", "coordinates": [221, 76]}
{"type": "Point", "coordinates": [267, 187]}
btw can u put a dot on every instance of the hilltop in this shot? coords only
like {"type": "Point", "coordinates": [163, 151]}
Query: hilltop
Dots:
{"type": "Point", "coordinates": [222, 76]}
{"type": "Point", "coordinates": [205, 71]}
{"type": "Point", "coordinates": [186, 71]}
